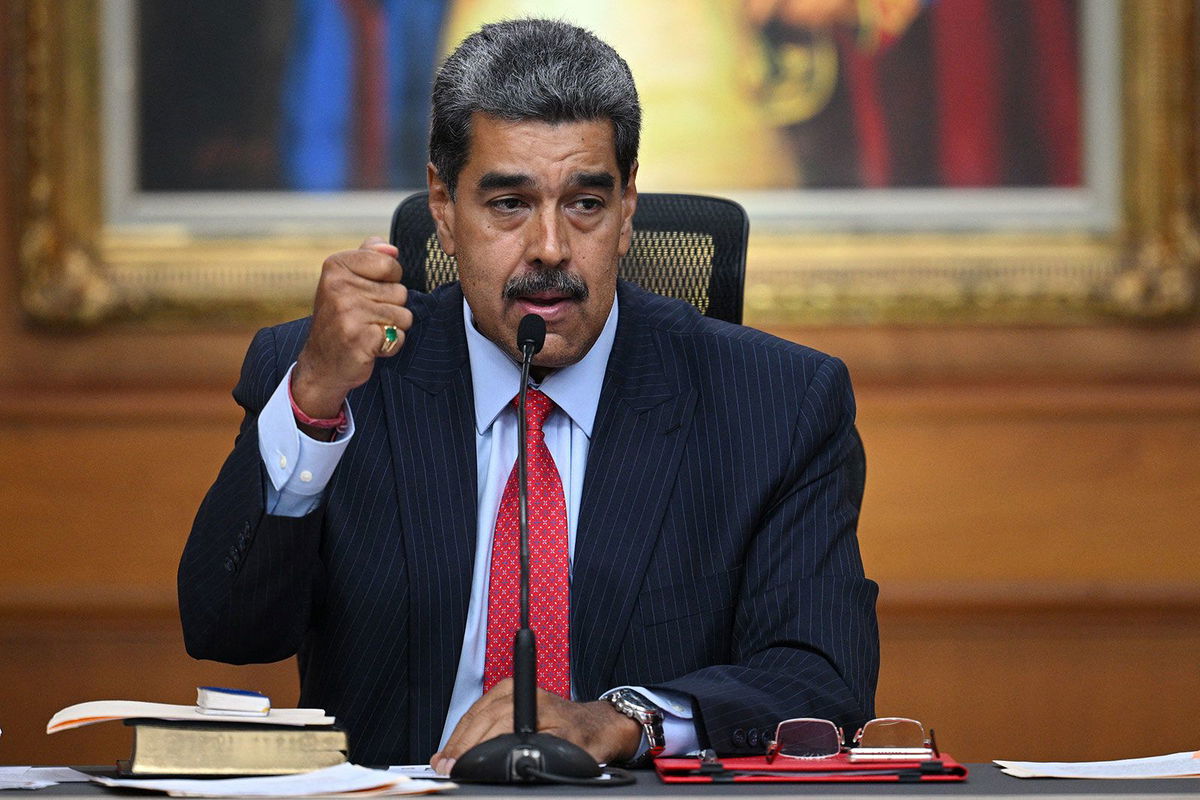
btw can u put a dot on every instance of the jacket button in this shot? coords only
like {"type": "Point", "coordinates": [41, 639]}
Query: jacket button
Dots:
{"type": "Point", "coordinates": [229, 565]}
{"type": "Point", "coordinates": [739, 737]}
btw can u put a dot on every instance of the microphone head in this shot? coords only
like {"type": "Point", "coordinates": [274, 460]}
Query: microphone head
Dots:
{"type": "Point", "coordinates": [531, 333]}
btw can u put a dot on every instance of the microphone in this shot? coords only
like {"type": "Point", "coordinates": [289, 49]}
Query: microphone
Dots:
{"type": "Point", "coordinates": [525, 756]}
{"type": "Point", "coordinates": [531, 335]}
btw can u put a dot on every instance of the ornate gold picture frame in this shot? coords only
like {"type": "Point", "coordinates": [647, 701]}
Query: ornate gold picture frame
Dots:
{"type": "Point", "coordinates": [78, 268]}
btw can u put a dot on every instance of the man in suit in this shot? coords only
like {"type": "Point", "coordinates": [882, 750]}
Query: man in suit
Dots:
{"type": "Point", "coordinates": [694, 537]}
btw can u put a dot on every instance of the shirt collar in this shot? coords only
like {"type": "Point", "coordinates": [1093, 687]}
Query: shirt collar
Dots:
{"type": "Point", "coordinates": [575, 389]}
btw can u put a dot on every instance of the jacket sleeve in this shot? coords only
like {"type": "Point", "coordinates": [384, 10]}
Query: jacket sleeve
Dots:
{"type": "Point", "coordinates": [247, 579]}
{"type": "Point", "coordinates": [805, 640]}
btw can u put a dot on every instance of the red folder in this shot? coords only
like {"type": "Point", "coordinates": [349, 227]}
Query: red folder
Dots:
{"type": "Point", "coordinates": [836, 769]}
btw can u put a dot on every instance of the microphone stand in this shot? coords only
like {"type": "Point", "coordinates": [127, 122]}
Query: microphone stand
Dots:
{"type": "Point", "coordinates": [526, 756]}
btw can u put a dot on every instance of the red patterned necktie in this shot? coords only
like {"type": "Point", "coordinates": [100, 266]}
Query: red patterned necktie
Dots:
{"type": "Point", "coordinates": [549, 566]}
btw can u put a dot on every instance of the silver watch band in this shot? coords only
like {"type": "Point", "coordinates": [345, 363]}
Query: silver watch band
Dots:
{"type": "Point", "coordinates": [646, 714]}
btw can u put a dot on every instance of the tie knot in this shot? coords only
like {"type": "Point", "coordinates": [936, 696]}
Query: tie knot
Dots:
{"type": "Point", "coordinates": [537, 407]}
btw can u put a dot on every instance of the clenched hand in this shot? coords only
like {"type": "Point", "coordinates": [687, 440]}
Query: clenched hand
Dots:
{"type": "Point", "coordinates": [358, 294]}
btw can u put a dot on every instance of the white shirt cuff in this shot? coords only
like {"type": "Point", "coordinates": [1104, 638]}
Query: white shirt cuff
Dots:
{"type": "Point", "coordinates": [299, 467]}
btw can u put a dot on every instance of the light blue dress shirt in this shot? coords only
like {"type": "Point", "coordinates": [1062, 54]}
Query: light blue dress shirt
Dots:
{"type": "Point", "coordinates": [300, 467]}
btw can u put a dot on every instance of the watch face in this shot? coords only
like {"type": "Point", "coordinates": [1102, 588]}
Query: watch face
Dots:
{"type": "Point", "coordinates": [634, 702]}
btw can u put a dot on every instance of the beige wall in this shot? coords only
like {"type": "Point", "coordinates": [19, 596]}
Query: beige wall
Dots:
{"type": "Point", "coordinates": [1030, 515]}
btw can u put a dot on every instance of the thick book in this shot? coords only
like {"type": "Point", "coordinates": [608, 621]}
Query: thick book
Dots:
{"type": "Point", "coordinates": [208, 749]}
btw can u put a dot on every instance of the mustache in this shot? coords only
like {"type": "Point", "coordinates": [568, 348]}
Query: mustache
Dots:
{"type": "Point", "coordinates": [546, 280]}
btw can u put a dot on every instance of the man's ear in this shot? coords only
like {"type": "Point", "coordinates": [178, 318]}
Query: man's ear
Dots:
{"type": "Point", "coordinates": [628, 206]}
{"type": "Point", "coordinates": [441, 206]}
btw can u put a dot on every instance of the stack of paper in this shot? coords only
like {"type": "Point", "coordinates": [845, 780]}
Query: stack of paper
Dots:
{"type": "Point", "coordinates": [344, 780]}
{"type": "Point", "coordinates": [38, 777]}
{"type": "Point", "coordinates": [1176, 765]}
{"type": "Point", "coordinates": [105, 710]}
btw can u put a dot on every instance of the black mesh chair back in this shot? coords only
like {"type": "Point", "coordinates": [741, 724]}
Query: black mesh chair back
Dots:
{"type": "Point", "coordinates": [685, 246]}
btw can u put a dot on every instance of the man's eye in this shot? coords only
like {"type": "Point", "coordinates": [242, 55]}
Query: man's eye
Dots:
{"type": "Point", "coordinates": [589, 204]}
{"type": "Point", "coordinates": [506, 204]}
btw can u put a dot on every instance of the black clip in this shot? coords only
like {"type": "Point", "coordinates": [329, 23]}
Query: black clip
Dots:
{"type": "Point", "coordinates": [709, 765]}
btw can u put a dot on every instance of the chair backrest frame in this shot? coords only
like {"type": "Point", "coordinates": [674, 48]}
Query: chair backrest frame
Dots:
{"type": "Point", "coordinates": [666, 227]}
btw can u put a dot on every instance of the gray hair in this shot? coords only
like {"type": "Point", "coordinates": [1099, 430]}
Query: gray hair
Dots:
{"type": "Point", "coordinates": [531, 69]}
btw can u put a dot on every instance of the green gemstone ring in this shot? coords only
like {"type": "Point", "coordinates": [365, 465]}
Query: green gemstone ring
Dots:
{"type": "Point", "coordinates": [391, 337]}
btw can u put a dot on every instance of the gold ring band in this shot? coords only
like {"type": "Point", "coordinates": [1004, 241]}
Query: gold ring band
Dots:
{"type": "Point", "coordinates": [391, 338]}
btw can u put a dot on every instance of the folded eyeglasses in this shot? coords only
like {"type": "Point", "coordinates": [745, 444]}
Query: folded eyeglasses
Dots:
{"type": "Point", "coordinates": [882, 738]}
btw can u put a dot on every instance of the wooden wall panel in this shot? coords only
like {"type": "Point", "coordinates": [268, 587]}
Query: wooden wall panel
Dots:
{"type": "Point", "coordinates": [1045, 685]}
{"type": "Point", "coordinates": [971, 491]}
{"type": "Point", "coordinates": [1088, 486]}
{"type": "Point", "coordinates": [104, 510]}
{"type": "Point", "coordinates": [1035, 550]}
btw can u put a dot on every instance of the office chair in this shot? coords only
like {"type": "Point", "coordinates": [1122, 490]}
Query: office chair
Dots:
{"type": "Point", "coordinates": [685, 246]}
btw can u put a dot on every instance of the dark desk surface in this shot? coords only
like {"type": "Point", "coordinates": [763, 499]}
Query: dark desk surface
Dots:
{"type": "Point", "coordinates": [985, 780]}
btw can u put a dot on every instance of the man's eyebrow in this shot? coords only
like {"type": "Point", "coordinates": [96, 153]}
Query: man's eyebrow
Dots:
{"type": "Point", "coordinates": [594, 180]}
{"type": "Point", "coordinates": [515, 180]}
{"type": "Point", "coordinates": [504, 180]}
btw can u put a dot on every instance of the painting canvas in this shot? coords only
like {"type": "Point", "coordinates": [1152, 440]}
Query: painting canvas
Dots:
{"type": "Point", "coordinates": [332, 95]}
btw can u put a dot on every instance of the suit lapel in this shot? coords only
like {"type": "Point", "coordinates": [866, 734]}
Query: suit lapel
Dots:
{"type": "Point", "coordinates": [429, 406]}
{"type": "Point", "coordinates": [639, 436]}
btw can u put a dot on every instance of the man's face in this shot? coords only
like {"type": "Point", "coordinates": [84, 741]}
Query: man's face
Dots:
{"type": "Point", "coordinates": [538, 224]}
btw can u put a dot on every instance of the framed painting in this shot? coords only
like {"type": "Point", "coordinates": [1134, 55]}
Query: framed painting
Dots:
{"type": "Point", "coordinates": [901, 160]}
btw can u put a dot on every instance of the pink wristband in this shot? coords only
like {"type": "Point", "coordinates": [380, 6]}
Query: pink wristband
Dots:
{"type": "Point", "coordinates": [338, 422]}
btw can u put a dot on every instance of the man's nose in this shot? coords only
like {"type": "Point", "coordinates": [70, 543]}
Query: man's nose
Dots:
{"type": "Point", "coordinates": [549, 245]}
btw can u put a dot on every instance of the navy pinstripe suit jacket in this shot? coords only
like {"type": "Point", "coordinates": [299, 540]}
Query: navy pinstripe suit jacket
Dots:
{"type": "Point", "coordinates": [716, 552]}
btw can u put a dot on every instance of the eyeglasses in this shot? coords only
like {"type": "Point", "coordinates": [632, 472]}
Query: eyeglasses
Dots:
{"type": "Point", "coordinates": [892, 738]}
{"type": "Point", "coordinates": [807, 737]}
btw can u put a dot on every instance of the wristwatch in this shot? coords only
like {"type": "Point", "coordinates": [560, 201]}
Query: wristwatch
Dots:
{"type": "Point", "coordinates": [646, 714]}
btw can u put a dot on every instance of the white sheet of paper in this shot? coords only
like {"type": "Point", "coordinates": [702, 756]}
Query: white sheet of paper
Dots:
{"type": "Point", "coordinates": [58, 774]}
{"type": "Point", "coordinates": [39, 777]}
{"type": "Point", "coordinates": [335, 781]}
{"type": "Point", "coordinates": [19, 778]}
{"type": "Point", "coordinates": [7, 784]}
{"type": "Point", "coordinates": [419, 771]}
{"type": "Point", "coordinates": [1175, 765]}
